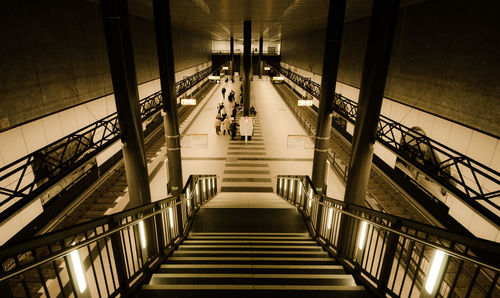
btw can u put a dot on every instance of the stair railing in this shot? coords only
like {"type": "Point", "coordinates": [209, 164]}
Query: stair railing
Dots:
{"type": "Point", "coordinates": [106, 257]}
{"type": "Point", "coordinates": [394, 256]}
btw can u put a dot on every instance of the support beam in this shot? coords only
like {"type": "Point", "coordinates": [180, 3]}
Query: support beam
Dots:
{"type": "Point", "coordinates": [261, 43]}
{"type": "Point", "coordinates": [377, 57]}
{"type": "Point", "coordinates": [247, 62]}
{"type": "Point", "coordinates": [231, 46]}
{"type": "Point", "coordinates": [329, 77]}
{"type": "Point", "coordinates": [121, 62]}
{"type": "Point", "coordinates": [167, 80]}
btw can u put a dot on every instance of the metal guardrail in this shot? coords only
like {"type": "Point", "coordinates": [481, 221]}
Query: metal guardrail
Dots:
{"type": "Point", "coordinates": [394, 256]}
{"type": "Point", "coordinates": [29, 176]}
{"type": "Point", "coordinates": [106, 257]}
{"type": "Point", "coordinates": [475, 183]}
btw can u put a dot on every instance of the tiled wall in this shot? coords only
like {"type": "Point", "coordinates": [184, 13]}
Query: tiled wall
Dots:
{"type": "Point", "coordinates": [479, 146]}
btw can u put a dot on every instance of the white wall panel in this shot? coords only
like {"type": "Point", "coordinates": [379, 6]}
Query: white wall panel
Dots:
{"type": "Point", "coordinates": [459, 138]}
{"type": "Point", "coordinates": [82, 116]}
{"type": "Point", "coordinates": [481, 147]}
{"type": "Point", "coordinates": [53, 128]}
{"type": "Point", "coordinates": [440, 130]}
{"type": "Point", "coordinates": [68, 120]}
{"type": "Point", "coordinates": [110, 104]}
{"type": "Point", "coordinates": [34, 135]}
{"type": "Point", "coordinates": [12, 145]}
{"type": "Point", "coordinates": [97, 109]}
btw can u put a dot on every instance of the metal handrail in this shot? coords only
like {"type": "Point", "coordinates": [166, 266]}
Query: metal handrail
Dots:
{"type": "Point", "coordinates": [58, 160]}
{"type": "Point", "coordinates": [471, 191]}
{"type": "Point", "coordinates": [174, 206]}
{"type": "Point", "coordinates": [393, 233]}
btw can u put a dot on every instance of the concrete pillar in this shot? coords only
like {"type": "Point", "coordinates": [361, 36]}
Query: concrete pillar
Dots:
{"type": "Point", "coordinates": [163, 30]}
{"type": "Point", "coordinates": [261, 42]}
{"type": "Point", "coordinates": [121, 62]}
{"type": "Point", "coordinates": [247, 63]}
{"type": "Point", "coordinates": [231, 46]}
{"type": "Point", "coordinates": [329, 77]}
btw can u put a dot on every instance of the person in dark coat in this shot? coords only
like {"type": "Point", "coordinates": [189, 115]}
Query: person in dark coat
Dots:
{"type": "Point", "coordinates": [233, 127]}
{"type": "Point", "coordinates": [223, 92]}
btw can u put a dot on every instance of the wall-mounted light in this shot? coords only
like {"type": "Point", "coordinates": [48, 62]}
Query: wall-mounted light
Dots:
{"type": "Point", "coordinates": [204, 187]}
{"type": "Point", "coordinates": [77, 267]}
{"type": "Point", "coordinates": [291, 186]}
{"type": "Point", "coordinates": [281, 182]}
{"type": "Point", "coordinates": [432, 275]}
{"type": "Point", "coordinates": [197, 190]}
{"type": "Point", "coordinates": [142, 234]}
{"type": "Point", "coordinates": [300, 188]}
{"type": "Point", "coordinates": [330, 215]}
{"type": "Point", "coordinates": [285, 185]}
{"type": "Point", "coordinates": [362, 235]}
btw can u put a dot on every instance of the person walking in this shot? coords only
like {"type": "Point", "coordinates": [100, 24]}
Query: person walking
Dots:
{"type": "Point", "coordinates": [233, 127]}
{"type": "Point", "coordinates": [224, 92]}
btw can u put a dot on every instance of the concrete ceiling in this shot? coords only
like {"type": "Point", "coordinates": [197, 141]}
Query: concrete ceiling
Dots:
{"type": "Point", "coordinates": [270, 19]}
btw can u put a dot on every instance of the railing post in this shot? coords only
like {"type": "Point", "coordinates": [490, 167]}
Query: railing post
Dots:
{"type": "Point", "coordinates": [160, 236]}
{"type": "Point", "coordinates": [388, 260]}
{"type": "Point", "coordinates": [119, 259]}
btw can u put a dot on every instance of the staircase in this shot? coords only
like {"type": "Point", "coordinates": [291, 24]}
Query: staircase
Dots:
{"type": "Point", "coordinates": [251, 265]}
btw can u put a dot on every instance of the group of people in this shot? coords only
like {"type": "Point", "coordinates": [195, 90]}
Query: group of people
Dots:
{"type": "Point", "coordinates": [225, 123]}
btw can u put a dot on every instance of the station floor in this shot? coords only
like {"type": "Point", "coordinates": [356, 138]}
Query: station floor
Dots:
{"type": "Point", "coordinates": [248, 169]}
{"type": "Point", "coordinates": [255, 164]}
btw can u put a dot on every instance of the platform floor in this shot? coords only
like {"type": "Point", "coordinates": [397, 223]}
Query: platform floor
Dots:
{"type": "Point", "coordinates": [242, 167]}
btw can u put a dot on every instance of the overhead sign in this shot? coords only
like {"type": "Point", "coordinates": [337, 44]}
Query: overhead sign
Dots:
{"type": "Point", "coordinates": [188, 101]}
{"type": "Point", "coordinates": [225, 68]}
{"type": "Point", "coordinates": [305, 102]}
{"type": "Point", "coordinates": [267, 68]}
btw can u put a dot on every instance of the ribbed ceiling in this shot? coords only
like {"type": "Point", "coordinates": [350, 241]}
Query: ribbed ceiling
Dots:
{"type": "Point", "coordinates": [271, 19]}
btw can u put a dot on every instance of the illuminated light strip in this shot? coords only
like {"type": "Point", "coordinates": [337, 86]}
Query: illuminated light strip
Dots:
{"type": "Point", "coordinates": [432, 276]}
{"type": "Point", "coordinates": [330, 215]}
{"type": "Point", "coordinates": [281, 182]}
{"type": "Point", "coordinates": [187, 196]}
{"type": "Point", "coordinates": [204, 187]}
{"type": "Point", "coordinates": [142, 234]}
{"type": "Point", "coordinates": [171, 217]}
{"type": "Point", "coordinates": [291, 186]}
{"type": "Point", "coordinates": [77, 266]}
{"type": "Point", "coordinates": [300, 188]}
{"type": "Point", "coordinates": [362, 236]}
{"type": "Point", "coordinates": [285, 185]}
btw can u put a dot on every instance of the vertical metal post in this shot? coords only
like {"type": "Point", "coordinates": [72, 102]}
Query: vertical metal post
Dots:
{"type": "Point", "coordinates": [119, 259]}
{"type": "Point", "coordinates": [377, 56]}
{"type": "Point", "coordinates": [328, 80]}
{"type": "Point", "coordinates": [388, 259]}
{"type": "Point", "coordinates": [247, 61]}
{"type": "Point", "coordinates": [261, 45]}
{"type": "Point", "coordinates": [231, 46]}
{"type": "Point", "coordinates": [121, 63]}
{"type": "Point", "coordinates": [164, 44]}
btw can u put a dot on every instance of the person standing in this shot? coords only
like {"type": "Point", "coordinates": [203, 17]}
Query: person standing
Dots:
{"type": "Point", "coordinates": [224, 92]}
{"type": "Point", "coordinates": [217, 124]}
{"type": "Point", "coordinates": [233, 128]}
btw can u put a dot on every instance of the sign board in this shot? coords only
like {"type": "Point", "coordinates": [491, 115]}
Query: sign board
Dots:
{"type": "Point", "coordinates": [214, 79]}
{"type": "Point", "coordinates": [188, 101]}
{"type": "Point", "coordinates": [305, 102]}
{"type": "Point", "coordinates": [225, 68]}
{"type": "Point", "coordinates": [267, 68]}
{"type": "Point", "coordinates": [278, 80]}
